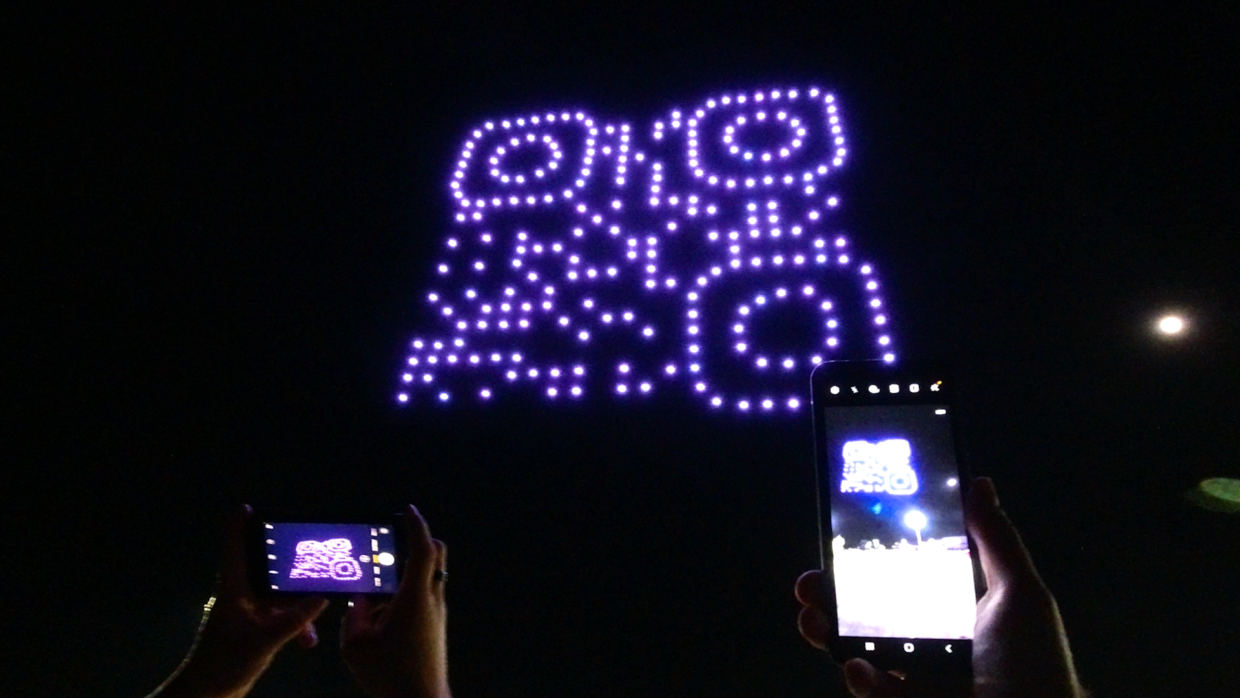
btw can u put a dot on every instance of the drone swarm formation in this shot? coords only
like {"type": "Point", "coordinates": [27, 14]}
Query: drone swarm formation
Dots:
{"type": "Point", "coordinates": [704, 253]}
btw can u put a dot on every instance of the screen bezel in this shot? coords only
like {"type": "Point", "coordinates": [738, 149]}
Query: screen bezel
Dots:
{"type": "Point", "coordinates": [888, 653]}
{"type": "Point", "coordinates": [256, 550]}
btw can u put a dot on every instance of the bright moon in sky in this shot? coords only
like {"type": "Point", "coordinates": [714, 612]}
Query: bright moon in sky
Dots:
{"type": "Point", "coordinates": [1171, 325]}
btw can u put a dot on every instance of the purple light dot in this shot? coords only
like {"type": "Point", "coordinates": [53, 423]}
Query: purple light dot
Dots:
{"type": "Point", "coordinates": [768, 404]}
{"type": "Point", "coordinates": [647, 331]}
{"type": "Point", "coordinates": [427, 378]}
{"type": "Point", "coordinates": [832, 341]}
{"type": "Point", "coordinates": [623, 368]}
{"type": "Point", "coordinates": [815, 359]}
{"type": "Point", "coordinates": [485, 394]}
{"type": "Point", "coordinates": [875, 303]}
{"type": "Point", "coordinates": [693, 349]}
{"type": "Point", "coordinates": [889, 357]}
{"type": "Point", "coordinates": [884, 340]}
{"type": "Point", "coordinates": [743, 404]}
{"type": "Point", "coordinates": [402, 398]}
{"type": "Point", "coordinates": [532, 373]}
{"type": "Point", "coordinates": [443, 397]}
{"type": "Point", "coordinates": [793, 403]}
{"type": "Point", "coordinates": [645, 387]}
{"type": "Point", "coordinates": [622, 388]}
{"type": "Point", "coordinates": [789, 363]}
{"type": "Point", "coordinates": [716, 401]}
{"type": "Point", "coordinates": [865, 269]}
{"type": "Point", "coordinates": [694, 368]}
{"type": "Point", "coordinates": [741, 347]}
{"type": "Point", "coordinates": [552, 392]}
{"type": "Point", "coordinates": [576, 391]}
{"type": "Point", "coordinates": [808, 290]}
{"type": "Point", "coordinates": [413, 361]}
{"type": "Point", "coordinates": [583, 336]}
{"type": "Point", "coordinates": [761, 362]}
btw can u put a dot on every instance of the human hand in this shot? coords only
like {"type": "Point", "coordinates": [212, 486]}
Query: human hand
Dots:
{"type": "Point", "coordinates": [240, 633]}
{"type": "Point", "coordinates": [401, 648]}
{"type": "Point", "coordinates": [1019, 644]}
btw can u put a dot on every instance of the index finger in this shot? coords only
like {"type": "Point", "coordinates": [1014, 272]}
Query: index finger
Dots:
{"type": "Point", "coordinates": [419, 565]}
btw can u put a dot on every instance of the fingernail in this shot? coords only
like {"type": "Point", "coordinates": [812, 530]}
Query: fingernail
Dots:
{"type": "Point", "coordinates": [986, 490]}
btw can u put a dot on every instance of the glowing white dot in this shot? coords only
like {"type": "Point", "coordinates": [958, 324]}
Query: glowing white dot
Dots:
{"type": "Point", "coordinates": [1171, 325]}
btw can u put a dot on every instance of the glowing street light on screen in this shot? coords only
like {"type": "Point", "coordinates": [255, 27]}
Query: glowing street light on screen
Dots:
{"type": "Point", "coordinates": [916, 521]}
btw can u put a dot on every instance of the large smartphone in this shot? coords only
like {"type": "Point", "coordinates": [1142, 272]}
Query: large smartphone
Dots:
{"type": "Point", "coordinates": [898, 562]}
{"type": "Point", "coordinates": [303, 555]}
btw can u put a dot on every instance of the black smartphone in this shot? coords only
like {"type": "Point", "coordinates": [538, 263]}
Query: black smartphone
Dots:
{"type": "Point", "coordinates": [307, 555]}
{"type": "Point", "coordinates": [898, 563]}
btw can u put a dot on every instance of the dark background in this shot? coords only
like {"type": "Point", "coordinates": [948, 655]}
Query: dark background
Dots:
{"type": "Point", "coordinates": [221, 220]}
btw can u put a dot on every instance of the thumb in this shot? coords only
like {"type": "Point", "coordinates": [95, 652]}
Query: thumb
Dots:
{"type": "Point", "coordinates": [864, 681]}
{"type": "Point", "coordinates": [1004, 557]}
{"type": "Point", "coordinates": [292, 621]}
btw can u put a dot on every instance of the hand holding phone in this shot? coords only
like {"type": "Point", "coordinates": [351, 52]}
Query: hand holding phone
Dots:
{"type": "Point", "coordinates": [241, 631]}
{"type": "Point", "coordinates": [895, 601]}
{"type": "Point", "coordinates": [399, 647]}
{"type": "Point", "coordinates": [1019, 645]}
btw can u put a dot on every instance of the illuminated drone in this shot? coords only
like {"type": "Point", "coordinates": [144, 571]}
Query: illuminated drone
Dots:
{"type": "Point", "coordinates": [702, 253]}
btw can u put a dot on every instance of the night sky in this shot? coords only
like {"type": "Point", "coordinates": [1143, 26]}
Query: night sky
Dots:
{"type": "Point", "coordinates": [221, 224]}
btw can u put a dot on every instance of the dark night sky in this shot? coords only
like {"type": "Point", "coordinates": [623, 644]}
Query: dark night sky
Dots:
{"type": "Point", "coordinates": [221, 221]}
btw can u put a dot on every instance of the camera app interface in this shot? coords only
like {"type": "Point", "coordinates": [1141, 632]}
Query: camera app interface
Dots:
{"type": "Point", "coordinates": [323, 558]}
{"type": "Point", "coordinates": [901, 559]}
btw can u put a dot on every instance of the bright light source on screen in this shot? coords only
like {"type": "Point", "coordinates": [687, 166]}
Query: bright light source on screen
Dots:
{"type": "Point", "coordinates": [915, 520]}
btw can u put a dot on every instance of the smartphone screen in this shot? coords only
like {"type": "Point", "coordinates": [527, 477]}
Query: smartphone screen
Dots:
{"type": "Point", "coordinates": [894, 537]}
{"type": "Point", "coordinates": [330, 558]}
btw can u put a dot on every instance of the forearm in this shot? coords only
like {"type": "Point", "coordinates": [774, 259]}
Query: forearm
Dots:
{"type": "Point", "coordinates": [192, 680]}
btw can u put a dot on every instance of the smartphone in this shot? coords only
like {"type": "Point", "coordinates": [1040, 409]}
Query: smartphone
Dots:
{"type": "Point", "coordinates": [305, 555]}
{"type": "Point", "coordinates": [900, 567]}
